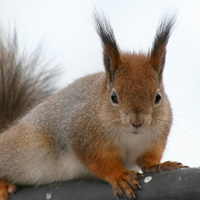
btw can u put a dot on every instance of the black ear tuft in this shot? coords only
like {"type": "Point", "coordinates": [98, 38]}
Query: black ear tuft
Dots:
{"type": "Point", "coordinates": [110, 49]}
{"type": "Point", "coordinates": [158, 51]}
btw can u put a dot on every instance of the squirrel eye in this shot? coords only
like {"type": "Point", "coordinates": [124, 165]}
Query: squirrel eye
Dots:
{"type": "Point", "coordinates": [158, 98]}
{"type": "Point", "coordinates": [114, 97]}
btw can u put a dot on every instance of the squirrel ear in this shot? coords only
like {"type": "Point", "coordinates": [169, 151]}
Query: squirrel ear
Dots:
{"type": "Point", "coordinates": [111, 55]}
{"type": "Point", "coordinates": [158, 51]}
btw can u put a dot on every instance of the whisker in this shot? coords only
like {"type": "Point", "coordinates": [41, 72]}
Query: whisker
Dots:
{"type": "Point", "coordinates": [176, 125]}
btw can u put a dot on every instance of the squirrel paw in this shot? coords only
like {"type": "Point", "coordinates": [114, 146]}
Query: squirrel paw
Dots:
{"type": "Point", "coordinates": [168, 165]}
{"type": "Point", "coordinates": [171, 165]}
{"type": "Point", "coordinates": [125, 182]}
{"type": "Point", "coordinates": [5, 189]}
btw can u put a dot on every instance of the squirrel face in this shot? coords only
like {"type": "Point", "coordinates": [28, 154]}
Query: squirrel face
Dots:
{"type": "Point", "coordinates": [135, 92]}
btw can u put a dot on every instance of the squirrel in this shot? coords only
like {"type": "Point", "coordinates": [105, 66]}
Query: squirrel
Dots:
{"type": "Point", "coordinates": [101, 126]}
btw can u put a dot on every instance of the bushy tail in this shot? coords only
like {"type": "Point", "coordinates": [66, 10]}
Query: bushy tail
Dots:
{"type": "Point", "coordinates": [23, 80]}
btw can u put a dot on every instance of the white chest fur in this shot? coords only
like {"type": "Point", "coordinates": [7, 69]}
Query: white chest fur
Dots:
{"type": "Point", "coordinates": [132, 146]}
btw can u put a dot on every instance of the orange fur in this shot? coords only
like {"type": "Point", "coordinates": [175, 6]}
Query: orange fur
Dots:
{"type": "Point", "coordinates": [107, 166]}
{"type": "Point", "coordinates": [150, 161]}
{"type": "Point", "coordinates": [6, 188]}
{"type": "Point", "coordinates": [151, 158]}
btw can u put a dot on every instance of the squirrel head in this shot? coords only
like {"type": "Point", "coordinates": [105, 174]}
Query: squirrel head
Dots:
{"type": "Point", "coordinates": [134, 85]}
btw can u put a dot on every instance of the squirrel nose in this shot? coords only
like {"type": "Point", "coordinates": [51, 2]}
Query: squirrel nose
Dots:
{"type": "Point", "coordinates": [136, 125]}
{"type": "Point", "coordinates": [137, 122]}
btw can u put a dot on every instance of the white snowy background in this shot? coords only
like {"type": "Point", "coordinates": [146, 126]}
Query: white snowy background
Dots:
{"type": "Point", "coordinates": [67, 30]}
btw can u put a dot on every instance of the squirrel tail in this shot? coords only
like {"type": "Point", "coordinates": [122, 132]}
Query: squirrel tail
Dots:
{"type": "Point", "coordinates": [24, 82]}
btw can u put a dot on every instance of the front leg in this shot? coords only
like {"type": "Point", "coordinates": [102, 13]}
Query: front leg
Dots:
{"type": "Point", "coordinates": [107, 166]}
{"type": "Point", "coordinates": [150, 162]}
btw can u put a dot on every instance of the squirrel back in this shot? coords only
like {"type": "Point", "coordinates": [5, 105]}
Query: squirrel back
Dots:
{"type": "Point", "coordinates": [24, 82]}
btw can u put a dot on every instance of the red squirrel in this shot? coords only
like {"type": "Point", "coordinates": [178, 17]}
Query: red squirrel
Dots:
{"type": "Point", "coordinates": [100, 126]}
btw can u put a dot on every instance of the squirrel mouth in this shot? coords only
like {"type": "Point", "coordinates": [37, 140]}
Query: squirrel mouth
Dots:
{"type": "Point", "coordinates": [135, 132]}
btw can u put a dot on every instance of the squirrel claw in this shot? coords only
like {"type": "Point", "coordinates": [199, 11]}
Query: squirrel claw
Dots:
{"type": "Point", "coordinates": [118, 196]}
{"type": "Point", "coordinates": [133, 195]}
{"type": "Point", "coordinates": [182, 166]}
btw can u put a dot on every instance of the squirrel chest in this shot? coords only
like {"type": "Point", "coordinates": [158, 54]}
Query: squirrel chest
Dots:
{"type": "Point", "coordinates": [132, 146]}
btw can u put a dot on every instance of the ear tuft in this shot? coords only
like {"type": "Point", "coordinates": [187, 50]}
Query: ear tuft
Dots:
{"type": "Point", "coordinates": [158, 51]}
{"type": "Point", "coordinates": [110, 50]}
